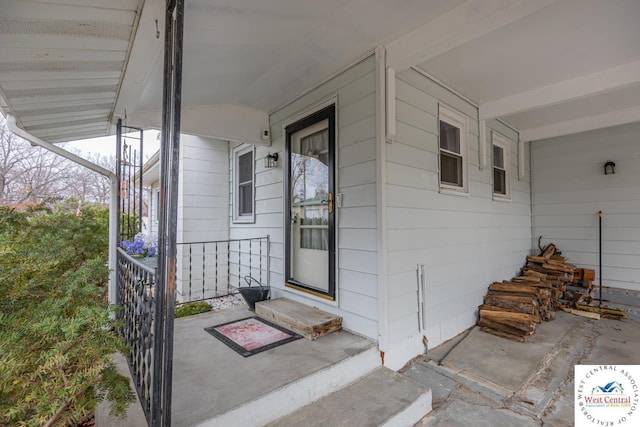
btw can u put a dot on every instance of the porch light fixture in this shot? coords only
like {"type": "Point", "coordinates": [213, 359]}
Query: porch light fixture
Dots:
{"type": "Point", "coordinates": [609, 168]}
{"type": "Point", "coordinates": [271, 161]}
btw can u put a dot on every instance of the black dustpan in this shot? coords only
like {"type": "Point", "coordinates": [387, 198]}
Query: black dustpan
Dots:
{"type": "Point", "coordinates": [254, 293]}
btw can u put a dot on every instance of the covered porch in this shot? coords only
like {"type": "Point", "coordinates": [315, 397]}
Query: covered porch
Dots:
{"type": "Point", "coordinates": [534, 72]}
{"type": "Point", "coordinates": [213, 385]}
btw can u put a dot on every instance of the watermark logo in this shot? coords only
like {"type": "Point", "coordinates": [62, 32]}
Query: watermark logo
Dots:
{"type": "Point", "coordinates": [607, 395]}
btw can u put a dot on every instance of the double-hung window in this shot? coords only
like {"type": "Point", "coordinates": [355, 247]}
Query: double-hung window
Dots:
{"type": "Point", "coordinates": [243, 187]}
{"type": "Point", "coordinates": [453, 150]}
{"type": "Point", "coordinates": [501, 161]}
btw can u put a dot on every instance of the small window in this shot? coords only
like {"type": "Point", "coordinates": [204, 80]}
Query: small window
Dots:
{"type": "Point", "coordinates": [243, 184]}
{"type": "Point", "coordinates": [453, 150]}
{"type": "Point", "coordinates": [501, 166]}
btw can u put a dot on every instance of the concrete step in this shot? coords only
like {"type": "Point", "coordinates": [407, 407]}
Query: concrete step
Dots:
{"type": "Point", "coordinates": [381, 398]}
{"type": "Point", "coordinates": [295, 395]}
{"type": "Point", "coordinates": [310, 322]}
{"type": "Point", "coordinates": [215, 386]}
{"type": "Point", "coordinates": [520, 377]}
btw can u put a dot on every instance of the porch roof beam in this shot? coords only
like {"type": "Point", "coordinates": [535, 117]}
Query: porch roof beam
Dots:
{"type": "Point", "coordinates": [568, 90]}
{"type": "Point", "coordinates": [224, 121]}
{"type": "Point", "coordinates": [583, 124]}
{"type": "Point", "coordinates": [469, 21]}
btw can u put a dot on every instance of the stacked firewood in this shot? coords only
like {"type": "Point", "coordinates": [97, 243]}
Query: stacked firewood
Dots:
{"type": "Point", "coordinates": [555, 269]}
{"type": "Point", "coordinates": [578, 292]}
{"type": "Point", "coordinates": [513, 308]}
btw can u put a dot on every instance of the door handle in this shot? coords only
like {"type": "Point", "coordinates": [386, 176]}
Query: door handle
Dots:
{"type": "Point", "coordinates": [330, 202]}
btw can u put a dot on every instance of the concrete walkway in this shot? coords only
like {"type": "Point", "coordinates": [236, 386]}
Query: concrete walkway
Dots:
{"type": "Point", "coordinates": [484, 380]}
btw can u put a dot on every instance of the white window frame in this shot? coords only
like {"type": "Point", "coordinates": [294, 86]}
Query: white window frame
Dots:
{"type": "Point", "coordinates": [504, 143]}
{"type": "Point", "coordinates": [237, 217]}
{"type": "Point", "coordinates": [456, 119]}
{"type": "Point", "coordinates": [155, 205]}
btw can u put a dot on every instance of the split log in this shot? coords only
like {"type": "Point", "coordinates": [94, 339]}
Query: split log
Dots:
{"type": "Point", "coordinates": [548, 251]}
{"type": "Point", "coordinates": [563, 303]}
{"type": "Point", "coordinates": [527, 278]}
{"type": "Point", "coordinates": [520, 282]}
{"type": "Point", "coordinates": [532, 273]}
{"type": "Point", "coordinates": [559, 267]}
{"type": "Point", "coordinates": [577, 297]}
{"type": "Point", "coordinates": [587, 284]}
{"type": "Point", "coordinates": [589, 274]}
{"type": "Point", "coordinates": [561, 263]}
{"type": "Point", "coordinates": [505, 305]}
{"type": "Point", "coordinates": [578, 289]}
{"type": "Point", "coordinates": [511, 328]}
{"type": "Point", "coordinates": [536, 259]}
{"type": "Point", "coordinates": [523, 299]}
{"type": "Point", "coordinates": [511, 287]}
{"type": "Point", "coordinates": [509, 316]}
{"type": "Point", "coordinates": [557, 274]}
{"type": "Point", "coordinates": [584, 274]}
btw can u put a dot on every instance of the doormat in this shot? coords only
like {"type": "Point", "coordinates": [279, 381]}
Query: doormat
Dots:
{"type": "Point", "coordinates": [252, 335]}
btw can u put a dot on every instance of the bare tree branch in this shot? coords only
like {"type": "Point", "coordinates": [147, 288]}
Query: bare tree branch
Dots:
{"type": "Point", "coordinates": [32, 174]}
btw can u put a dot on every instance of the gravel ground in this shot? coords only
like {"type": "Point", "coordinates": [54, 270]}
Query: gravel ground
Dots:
{"type": "Point", "coordinates": [226, 301]}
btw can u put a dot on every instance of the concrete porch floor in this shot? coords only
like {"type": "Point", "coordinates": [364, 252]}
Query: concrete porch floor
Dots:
{"type": "Point", "coordinates": [485, 380]}
{"type": "Point", "coordinates": [214, 385]}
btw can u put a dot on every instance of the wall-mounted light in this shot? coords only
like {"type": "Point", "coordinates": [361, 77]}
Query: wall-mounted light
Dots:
{"type": "Point", "coordinates": [609, 168]}
{"type": "Point", "coordinates": [271, 161]}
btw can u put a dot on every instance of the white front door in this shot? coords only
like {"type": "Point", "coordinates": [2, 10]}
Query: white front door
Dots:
{"type": "Point", "coordinates": [310, 257]}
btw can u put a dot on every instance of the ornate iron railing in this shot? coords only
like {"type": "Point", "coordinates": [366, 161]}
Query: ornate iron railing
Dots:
{"type": "Point", "coordinates": [217, 268]}
{"type": "Point", "coordinates": [148, 295]}
{"type": "Point", "coordinates": [136, 293]}
{"type": "Point", "coordinates": [130, 160]}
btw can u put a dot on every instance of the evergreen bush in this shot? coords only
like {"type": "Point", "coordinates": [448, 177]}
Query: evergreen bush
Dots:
{"type": "Point", "coordinates": [56, 332]}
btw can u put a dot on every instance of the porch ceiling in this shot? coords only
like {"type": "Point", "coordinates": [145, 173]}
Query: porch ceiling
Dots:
{"type": "Point", "coordinates": [262, 54]}
{"type": "Point", "coordinates": [62, 63]}
{"type": "Point", "coordinates": [70, 68]}
{"type": "Point", "coordinates": [569, 66]}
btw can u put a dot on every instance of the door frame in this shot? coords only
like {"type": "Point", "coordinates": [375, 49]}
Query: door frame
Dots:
{"type": "Point", "coordinates": [326, 113]}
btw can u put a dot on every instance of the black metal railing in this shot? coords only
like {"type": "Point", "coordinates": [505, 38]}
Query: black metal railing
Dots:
{"type": "Point", "coordinates": [217, 268]}
{"type": "Point", "coordinates": [136, 292]}
{"type": "Point", "coordinates": [132, 208]}
{"type": "Point", "coordinates": [147, 295]}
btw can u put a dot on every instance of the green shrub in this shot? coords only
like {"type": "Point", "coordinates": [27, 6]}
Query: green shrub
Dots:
{"type": "Point", "coordinates": [192, 308]}
{"type": "Point", "coordinates": [56, 333]}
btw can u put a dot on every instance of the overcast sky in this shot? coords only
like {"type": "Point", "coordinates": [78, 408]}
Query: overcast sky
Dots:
{"type": "Point", "coordinates": [106, 146]}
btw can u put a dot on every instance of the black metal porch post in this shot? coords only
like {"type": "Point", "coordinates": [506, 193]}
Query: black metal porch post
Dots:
{"type": "Point", "coordinates": [169, 159]}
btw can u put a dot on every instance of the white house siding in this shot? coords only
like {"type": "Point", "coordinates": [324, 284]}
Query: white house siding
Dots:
{"type": "Point", "coordinates": [154, 210]}
{"type": "Point", "coordinates": [356, 171]}
{"type": "Point", "coordinates": [570, 187]}
{"type": "Point", "coordinates": [464, 241]}
{"type": "Point", "coordinates": [203, 198]}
